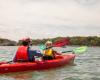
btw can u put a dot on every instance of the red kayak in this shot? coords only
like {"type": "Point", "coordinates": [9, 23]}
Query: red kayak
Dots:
{"type": "Point", "coordinates": [37, 65]}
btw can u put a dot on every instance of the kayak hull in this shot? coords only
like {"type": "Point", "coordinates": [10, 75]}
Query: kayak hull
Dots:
{"type": "Point", "coordinates": [37, 65]}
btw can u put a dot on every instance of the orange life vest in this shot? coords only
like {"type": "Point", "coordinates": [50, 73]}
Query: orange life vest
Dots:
{"type": "Point", "coordinates": [22, 53]}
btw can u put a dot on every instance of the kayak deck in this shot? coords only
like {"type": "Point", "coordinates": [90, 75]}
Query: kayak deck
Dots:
{"type": "Point", "coordinates": [37, 65]}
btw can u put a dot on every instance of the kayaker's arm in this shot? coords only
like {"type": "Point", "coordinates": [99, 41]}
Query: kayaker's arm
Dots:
{"type": "Point", "coordinates": [35, 53]}
{"type": "Point", "coordinates": [56, 53]}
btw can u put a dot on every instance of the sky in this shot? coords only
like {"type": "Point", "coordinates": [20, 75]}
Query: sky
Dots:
{"type": "Point", "coordinates": [40, 19]}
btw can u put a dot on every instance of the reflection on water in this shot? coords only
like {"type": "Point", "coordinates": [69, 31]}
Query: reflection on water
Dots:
{"type": "Point", "coordinates": [87, 67]}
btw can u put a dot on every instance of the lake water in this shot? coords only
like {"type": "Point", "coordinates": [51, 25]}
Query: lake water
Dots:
{"type": "Point", "coordinates": [87, 67]}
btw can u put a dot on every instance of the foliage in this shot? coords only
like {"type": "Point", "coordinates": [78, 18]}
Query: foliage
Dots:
{"type": "Point", "coordinates": [77, 40]}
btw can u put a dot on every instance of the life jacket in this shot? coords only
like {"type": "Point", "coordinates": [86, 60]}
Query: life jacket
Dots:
{"type": "Point", "coordinates": [22, 53]}
{"type": "Point", "coordinates": [48, 52]}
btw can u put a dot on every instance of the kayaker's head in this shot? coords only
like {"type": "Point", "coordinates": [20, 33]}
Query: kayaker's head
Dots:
{"type": "Point", "coordinates": [48, 44]}
{"type": "Point", "coordinates": [26, 41]}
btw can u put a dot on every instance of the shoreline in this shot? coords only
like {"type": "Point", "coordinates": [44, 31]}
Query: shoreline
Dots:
{"type": "Point", "coordinates": [74, 41]}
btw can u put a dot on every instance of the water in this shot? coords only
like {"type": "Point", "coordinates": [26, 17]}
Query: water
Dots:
{"type": "Point", "coordinates": [87, 67]}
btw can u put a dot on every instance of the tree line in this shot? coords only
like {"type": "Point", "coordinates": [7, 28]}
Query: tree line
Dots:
{"type": "Point", "coordinates": [76, 40]}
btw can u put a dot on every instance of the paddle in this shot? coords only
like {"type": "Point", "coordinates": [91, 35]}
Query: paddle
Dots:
{"type": "Point", "coordinates": [78, 50]}
{"type": "Point", "coordinates": [42, 46]}
{"type": "Point", "coordinates": [59, 43]}
{"type": "Point", "coordinates": [5, 62]}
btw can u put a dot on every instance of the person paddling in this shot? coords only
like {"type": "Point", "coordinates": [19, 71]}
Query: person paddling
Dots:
{"type": "Point", "coordinates": [24, 52]}
{"type": "Point", "coordinates": [49, 53]}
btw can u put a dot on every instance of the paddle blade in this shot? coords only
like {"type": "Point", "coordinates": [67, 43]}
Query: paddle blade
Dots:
{"type": "Point", "coordinates": [80, 50]}
{"type": "Point", "coordinates": [61, 43]}
{"type": "Point", "coordinates": [42, 47]}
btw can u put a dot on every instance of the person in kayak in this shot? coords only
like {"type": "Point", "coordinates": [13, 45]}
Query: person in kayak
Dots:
{"type": "Point", "coordinates": [24, 52]}
{"type": "Point", "coordinates": [49, 53]}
